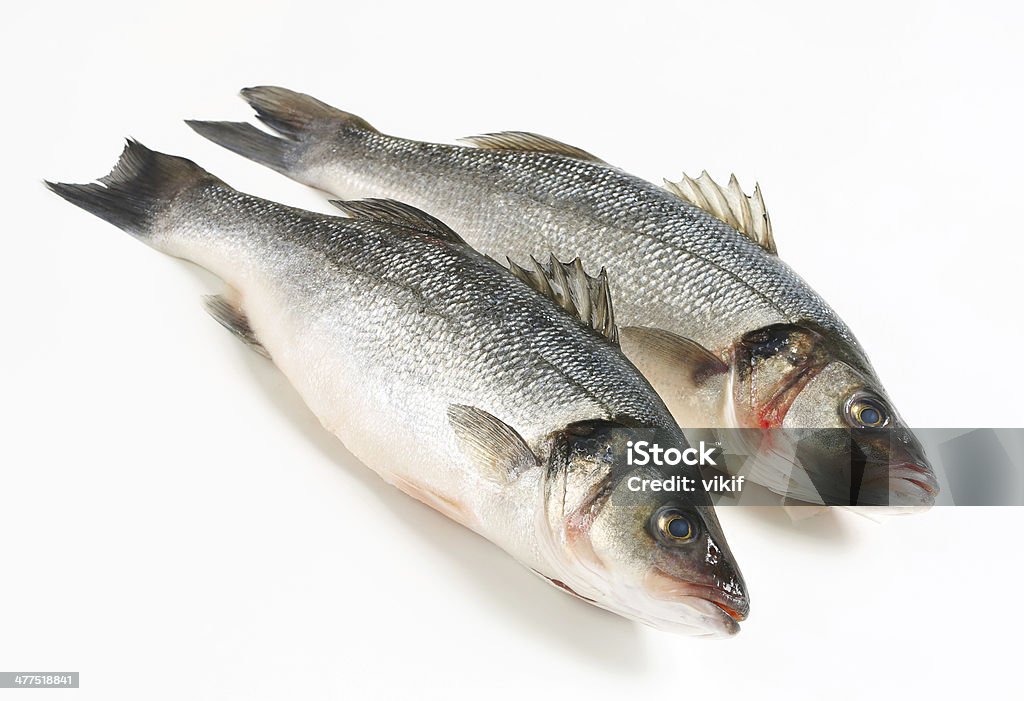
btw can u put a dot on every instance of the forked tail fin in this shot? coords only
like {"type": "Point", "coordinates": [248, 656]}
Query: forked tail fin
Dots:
{"type": "Point", "coordinates": [141, 186]}
{"type": "Point", "coordinates": [295, 116]}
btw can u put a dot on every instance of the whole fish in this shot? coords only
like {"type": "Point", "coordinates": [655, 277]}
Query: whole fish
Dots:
{"type": "Point", "coordinates": [453, 380]}
{"type": "Point", "coordinates": [726, 332]}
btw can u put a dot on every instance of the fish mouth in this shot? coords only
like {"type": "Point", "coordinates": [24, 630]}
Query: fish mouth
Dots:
{"type": "Point", "coordinates": [719, 611]}
{"type": "Point", "coordinates": [713, 616]}
{"type": "Point", "coordinates": [909, 485]}
{"type": "Point", "coordinates": [733, 613]}
{"type": "Point", "coordinates": [918, 475]}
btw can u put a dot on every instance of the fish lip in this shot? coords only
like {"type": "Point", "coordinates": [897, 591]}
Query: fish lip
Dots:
{"type": "Point", "coordinates": [931, 489]}
{"type": "Point", "coordinates": [733, 613]}
{"type": "Point", "coordinates": [918, 475]}
{"type": "Point", "coordinates": [720, 621]}
{"type": "Point", "coordinates": [665, 587]}
{"type": "Point", "coordinates": [907, 480]}
{"type": "Point", "coordinates": [913, 467]}
{"type": "Point", "coordinates": [735, 609]}
{"type": "Point", "coordinates": [711, 620]}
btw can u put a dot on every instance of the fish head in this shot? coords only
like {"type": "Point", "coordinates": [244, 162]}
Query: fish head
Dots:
{"type": "Point", "coordinates": [829, 413]}
{"type": "Point", "coordinates": [655, 556]}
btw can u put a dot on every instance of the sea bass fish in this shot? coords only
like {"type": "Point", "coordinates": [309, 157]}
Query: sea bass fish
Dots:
{"type": "Point", "coordinates": [453, 380]}
{"type": "Point", "coordinates": [728, 334]}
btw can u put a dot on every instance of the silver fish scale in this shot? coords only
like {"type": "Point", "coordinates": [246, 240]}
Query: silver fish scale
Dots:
{"type": "Point", "coordinates": [431, 316]}
{"type": "Point", "coordinates": [382, 327]}
{"type": "Point", "coordinates": [671, 264]}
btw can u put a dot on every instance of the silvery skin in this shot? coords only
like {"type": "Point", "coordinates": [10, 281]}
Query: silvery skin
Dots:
{"type": "Point", "coordinates": [728, 334]}
{"type": "Point", "coordinates": [453, 380]}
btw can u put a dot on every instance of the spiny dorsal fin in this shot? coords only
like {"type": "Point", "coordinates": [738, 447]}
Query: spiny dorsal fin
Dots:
{"type": "Point", "coordinates": [231, 317]}
{"type": "Point", "coordinates": [399, 213]}
{"type": "Point", "coordinates": [586, 297]}
{"type": "Point", "coordinates": [745, 213]}
{"type": "Point", "coordinates": [526, 141]}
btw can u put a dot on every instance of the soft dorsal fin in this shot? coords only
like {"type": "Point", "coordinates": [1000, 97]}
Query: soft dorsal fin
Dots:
{"type": "Point", "coordinates": [745, 213]}
{"type": "Point", "coordinates": [493, 445]}
{"type": "Point", "coordinates": [586, 297]}
{"type": "Point", "coordinates": [394, 212]}
{"type": "Point", "coordinates": [526, 141]}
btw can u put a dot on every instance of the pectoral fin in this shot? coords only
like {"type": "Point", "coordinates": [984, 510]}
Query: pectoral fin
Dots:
{"type": "Point", "coordinates": [491, 443]}
{"type": "Point", "coordinates": [676, 351]}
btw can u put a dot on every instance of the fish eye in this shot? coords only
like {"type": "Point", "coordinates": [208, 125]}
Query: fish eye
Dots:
{"type": "Point", "coordinates": [673, 527]}
{"type": "Point", "coordinates": [866, 412]}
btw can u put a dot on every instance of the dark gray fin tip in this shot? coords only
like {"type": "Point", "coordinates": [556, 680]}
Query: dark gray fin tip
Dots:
{"type": "Point", "coordinates": [586, 297]}
{"type": "Point", "coordinates": [250, 142]}
{"type": "Point", "coordinates": [491, 443]}
{"type": "Point", "coordinates": [297, 115]}
{"type": "Point", "coordinates": [141, 185]}
{"type": "Point", "coordinates": [528, 142]}
{"type": "Point", "coordinates": [398, 213]}
{"type": "Point", "coordinates": [234, 320]}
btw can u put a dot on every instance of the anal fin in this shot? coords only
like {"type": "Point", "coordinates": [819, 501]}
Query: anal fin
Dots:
{"type": "Point", "coordinates": [234, 320]}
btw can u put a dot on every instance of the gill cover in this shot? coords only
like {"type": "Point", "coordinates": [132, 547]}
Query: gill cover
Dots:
{"type": "Point", "coordinates": [772, 365]}
{"type": "Point", "coordinates": [606, 534]}
{"type": "Point", "coordinates": [833, 434]}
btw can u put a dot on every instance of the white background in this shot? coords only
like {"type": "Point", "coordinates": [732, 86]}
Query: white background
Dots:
{"type": "Point", "coordinates": [173, 522]}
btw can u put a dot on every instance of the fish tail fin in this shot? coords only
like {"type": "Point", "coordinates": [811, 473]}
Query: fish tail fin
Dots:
{"type": "Point", "coordinates": [139, 188]}
{"type": "Point", "coordinates": [248, 141]}
{"type": "Point", "coordinates": [295, 114]}
{"type": "Point", "coordinates": [296, 117]}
